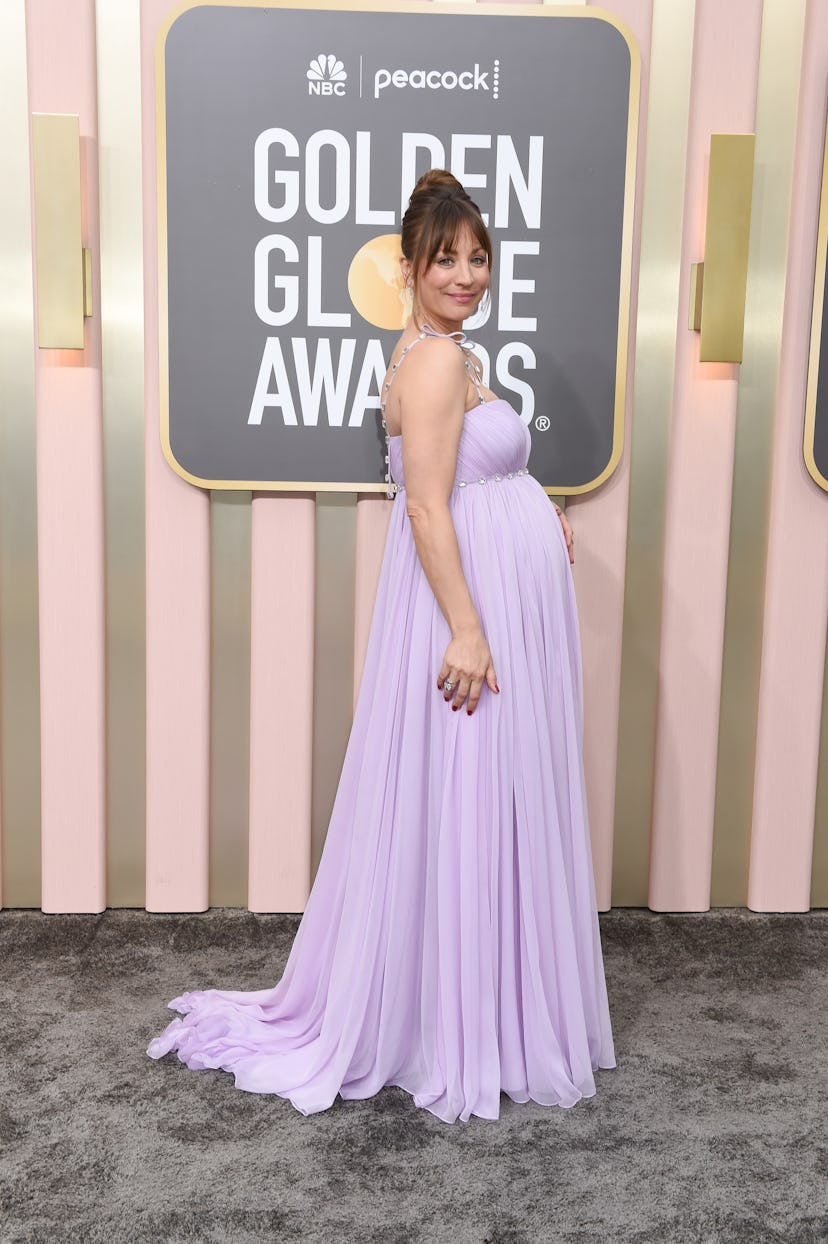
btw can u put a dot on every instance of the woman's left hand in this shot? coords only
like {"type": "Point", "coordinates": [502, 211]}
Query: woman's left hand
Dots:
{"type": "Point", "coordinates": [568, 534]}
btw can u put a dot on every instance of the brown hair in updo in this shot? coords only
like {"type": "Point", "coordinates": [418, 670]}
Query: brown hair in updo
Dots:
{"type": "Point", "coordinates": [438, 210]}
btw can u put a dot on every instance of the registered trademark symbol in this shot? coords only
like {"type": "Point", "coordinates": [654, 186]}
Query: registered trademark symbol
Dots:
{"type": "Point", "coordinates": [542, 423]}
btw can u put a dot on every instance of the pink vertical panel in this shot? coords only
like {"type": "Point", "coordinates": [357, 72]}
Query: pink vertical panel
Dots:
{"type": "Point", "coordinates": [373, 515]}
{"type": "Point", "coordinates": [281, 701]}
{"type": "Point", "coordinates": [61, 66]}
{"type": "Point", "coordinates": [178, 600]}
{"type": "Point", "coordinates": [699, 488]}
{"type": "Point", "coordinates": [600, 519]}
{"type": "Point", "coordinates": [70, 561]}
{"type": "Point", "coordinates": [796, 589]}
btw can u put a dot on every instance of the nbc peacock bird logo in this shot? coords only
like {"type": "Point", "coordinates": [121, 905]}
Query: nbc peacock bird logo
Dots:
{"type": "Point", "coordinates": [326, 75]}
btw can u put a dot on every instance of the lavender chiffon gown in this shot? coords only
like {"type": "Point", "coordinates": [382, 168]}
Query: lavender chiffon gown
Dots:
{"type": "Point", "coordinates": [450, 944]}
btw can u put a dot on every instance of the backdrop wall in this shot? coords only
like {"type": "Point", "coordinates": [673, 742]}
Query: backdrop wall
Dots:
{"type": "Point", "coordinates": [178, 668]}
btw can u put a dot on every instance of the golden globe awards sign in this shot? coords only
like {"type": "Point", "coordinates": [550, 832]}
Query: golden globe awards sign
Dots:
{"type": "Point", "coordinates": [290, 139]}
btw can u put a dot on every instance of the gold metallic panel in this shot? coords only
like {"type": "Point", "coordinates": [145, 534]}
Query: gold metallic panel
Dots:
{"type": "Point", "coordinates": [230, 579]}
{"type": "Point", "coordinates": [819, 874]}
{"type": "Point", "coordinates": [118, 43]}
{"type": "Point", "coordinates": [776, 110]}
{"type": "Point", "coordinates": [696, 294]}
{"type": "Point", "coordinates": [669, 98]}
{"type": "Point", "coordinates": [87, 282]}
{"type": "Point", "coordinates": [727, 235]}
{"type": "Point", "coordinates": [19, 656]}
{"type": "Point", "coordinates": [816, 326]}
{"type": "Point", "coordinates": [58, 248]}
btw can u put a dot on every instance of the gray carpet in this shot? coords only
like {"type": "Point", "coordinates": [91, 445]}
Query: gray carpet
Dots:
{"type": "Point", "coordinates": [711, 1130]}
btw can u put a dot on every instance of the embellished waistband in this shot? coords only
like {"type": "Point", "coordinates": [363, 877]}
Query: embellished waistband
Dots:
{"type": "Point", "coordinates": [463, 483]}
{"type": "Point", "coordinates": [490, 479]}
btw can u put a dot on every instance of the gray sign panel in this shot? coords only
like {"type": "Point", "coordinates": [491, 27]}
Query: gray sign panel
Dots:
{"type": "Point", "coordinates": [293, 137]}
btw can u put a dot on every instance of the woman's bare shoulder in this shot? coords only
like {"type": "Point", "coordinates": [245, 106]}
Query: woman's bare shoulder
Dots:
{"type": "Point", "coordinates": [436, 362]}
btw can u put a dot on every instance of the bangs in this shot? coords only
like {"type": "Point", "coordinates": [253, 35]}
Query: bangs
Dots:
{"type": "Point", "coordinates": [447, 221]}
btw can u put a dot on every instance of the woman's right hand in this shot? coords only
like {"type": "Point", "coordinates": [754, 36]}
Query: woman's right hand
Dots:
{"type": "Point", "coordinates": [467, 665]}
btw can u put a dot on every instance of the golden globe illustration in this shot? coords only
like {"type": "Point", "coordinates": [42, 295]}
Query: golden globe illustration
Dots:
{"type": "Point", "coordinates": [376, 285]}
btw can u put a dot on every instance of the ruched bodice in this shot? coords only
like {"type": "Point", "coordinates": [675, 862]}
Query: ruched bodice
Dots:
{"type": "Point", "coordinates": [494, 446]}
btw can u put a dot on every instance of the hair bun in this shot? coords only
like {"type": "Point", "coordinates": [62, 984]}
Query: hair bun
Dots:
{"type": "Point", "coordinates": [438, 179]}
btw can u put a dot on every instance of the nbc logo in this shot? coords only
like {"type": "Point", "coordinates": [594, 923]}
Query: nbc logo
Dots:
{"type": "Point", "coordinates": [326, 75]}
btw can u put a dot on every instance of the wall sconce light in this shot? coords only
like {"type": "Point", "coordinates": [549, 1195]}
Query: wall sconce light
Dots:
{"type": "Point", "coordinates": [63, 267]}
{"type": "Point", "coordinates": [717, 286]}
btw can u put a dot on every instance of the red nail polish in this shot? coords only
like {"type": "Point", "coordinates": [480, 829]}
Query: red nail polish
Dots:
{"type": "Point", "coordinates": [454, 708]}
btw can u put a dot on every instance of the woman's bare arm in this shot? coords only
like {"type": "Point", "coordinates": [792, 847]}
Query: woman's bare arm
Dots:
{"type": "Point", "coordinates": [432, 408]}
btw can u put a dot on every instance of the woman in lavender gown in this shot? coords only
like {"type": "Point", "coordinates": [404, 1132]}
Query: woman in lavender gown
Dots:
{"type": "Point", "coordinates": [450, 944]}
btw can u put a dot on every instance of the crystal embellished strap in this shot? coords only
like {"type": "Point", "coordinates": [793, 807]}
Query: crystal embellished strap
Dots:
{"type": "Point", "coordinates": [425, 331]}
{"type": "Point", "coordinates": [390, 487]}
{"type": "Point", "coordinates": [458, 336]}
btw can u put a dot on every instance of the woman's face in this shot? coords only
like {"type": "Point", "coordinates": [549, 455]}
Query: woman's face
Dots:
{"type": "Point", "coordinates": [450, 289]}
